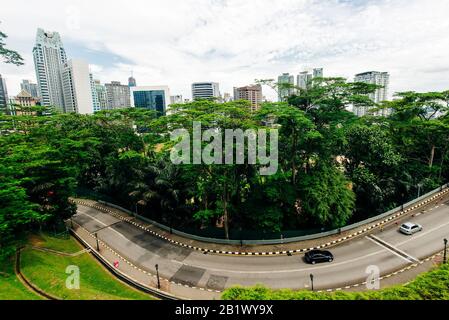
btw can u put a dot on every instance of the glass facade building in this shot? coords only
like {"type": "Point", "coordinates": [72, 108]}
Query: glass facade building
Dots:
{"type": "Point", "coordinates": [153, 100]}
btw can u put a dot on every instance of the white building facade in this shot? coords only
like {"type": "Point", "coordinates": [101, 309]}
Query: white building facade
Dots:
{"type": "Point", "coordinates": [4, 101]}
{"type": "Point", "coordinates": [118, 95]}
{"type": "Point", "coordinates": [304, 79]}
{"type": "Point", "coordinates": [288, 81]}
{"type": "Point", "coordinates": [49, 57]}
{"type": "Point", "coordinates": [95, 100]}
{"type": "Point", "coordinates": [381, 94]}
{"type": "Point", "coordinates": [77, 87]}
{"type": "Point", "coordinates": [176, 99]}
{"type": "Point", "coordinates": [205, 90]}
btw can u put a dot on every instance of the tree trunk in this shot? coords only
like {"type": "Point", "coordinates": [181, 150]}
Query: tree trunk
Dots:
{"type": "Point", "coordinates": [225, 213]}
{"type": "Point", "coordinates": [443, 155]}
{"type": "Point", "coordinates": [432, 155]}
{"type": "Point", "coordinates": [225, 205]}
{"type": "Point", "coordinates": [293, 160]}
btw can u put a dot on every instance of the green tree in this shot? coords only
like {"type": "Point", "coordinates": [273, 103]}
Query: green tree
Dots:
{"type": "Point", "coordinates": [326, 197]}
{"type": "Point", "coordinates": [7, 55]}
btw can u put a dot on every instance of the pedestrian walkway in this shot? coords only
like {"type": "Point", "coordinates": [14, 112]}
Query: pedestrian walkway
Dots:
{"type": "Point", "coordinates": [137, 276]}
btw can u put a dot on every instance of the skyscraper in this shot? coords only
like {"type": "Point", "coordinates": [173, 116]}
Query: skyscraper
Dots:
{"type": "Point", "coordinates": [101, 95]}
{"type": "Point", "coordinates": [251, 93]}
{"type": "Point", "coordinates": [29, 87]}
{"type": "Point", "coordinates": [131, 81]}
{"type": "Point", "coordinates": [49, 57]}
{"type": "Point", "coordinates": [287, 80]}
{"type": "Point", "coordinates": [3, 95]}
{"type": "Point", "coordinates": [118, 95]}
{"type": "Point", "coordinates": [155, 98]}
{"type": "Point", "coordinates": [95, 101]}
{"type": "Point", "coordinates": [379, 78]}
{"type": "Point", "coordinates": [77, 87]}
{"type": "Point", "coordinates": [205, 90]}
{"type": "Point", "coordinates": [304, 79]}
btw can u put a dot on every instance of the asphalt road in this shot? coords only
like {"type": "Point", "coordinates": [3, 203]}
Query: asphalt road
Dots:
{"type": "Point", "coordinates": [387, 250]}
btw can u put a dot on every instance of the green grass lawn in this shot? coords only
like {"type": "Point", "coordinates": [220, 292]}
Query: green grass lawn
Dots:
{"type": "Point", "coordinates": [48, 272]}
{"type": "Point", "coordinates": [11, 287]}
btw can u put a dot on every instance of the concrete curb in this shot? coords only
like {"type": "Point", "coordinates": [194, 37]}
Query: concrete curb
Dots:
{"type": "Point", "coordinates": [154, 291]}
{"type": "Point", "coordinates": [104, 208]}
{"type": "Point", "coordinates": [412, 266]}
{"type": "Point", "coordinates": [124, 277]}
{"type": "Point", "coordinates": [28, 283]}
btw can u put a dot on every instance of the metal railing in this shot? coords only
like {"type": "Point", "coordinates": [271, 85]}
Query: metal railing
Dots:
{"type": "Point", "coordinates": [283, 240]}
{"type": "Point", "coordinates": [121, 275]}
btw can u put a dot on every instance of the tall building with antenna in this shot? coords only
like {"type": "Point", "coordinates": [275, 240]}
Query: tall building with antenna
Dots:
{"type": "Point", "coordinates": [132, 81]}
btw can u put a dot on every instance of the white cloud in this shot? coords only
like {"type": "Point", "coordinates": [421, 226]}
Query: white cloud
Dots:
{"type": "Point", "coordinates": [234, 42]}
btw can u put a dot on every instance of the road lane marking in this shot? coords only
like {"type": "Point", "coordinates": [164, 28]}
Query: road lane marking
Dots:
{"type": "Point", "coordinates": [268, 271]}
{"type": "Point", "coordinates": [421, 234]}
{"type": "Point", "coordinates": [316, 267]}
{"type": "Point", "coordinates": [392, 249]}
{"type": "Point", "coordinates": [123, 236]}
{"type": "Point", "coordinates": [107, 227]}
{"type": "Point", "coordinates": [355, 285]}
{"type": "Point", "coordinates": [121, 217]}
{"type": "Point", "coordinates": [388, 249]}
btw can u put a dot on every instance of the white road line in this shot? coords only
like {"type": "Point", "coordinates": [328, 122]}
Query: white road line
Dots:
{"type": "Point", "coordinates": [108, 227]}
{"type": "Point", "coordinates": [122, 236]}
{"type": "Point", "coordinates": [384, 244]}
{"type": "Point", "coordinates": [296, 270]}
{"type": "Point", "coordinates": [422, 234]}
{"type": "Point", "coordinates": [316, 267]}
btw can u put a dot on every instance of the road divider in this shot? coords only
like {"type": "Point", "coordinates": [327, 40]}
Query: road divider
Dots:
{"type": "Point", "coordinates": [396, 251]}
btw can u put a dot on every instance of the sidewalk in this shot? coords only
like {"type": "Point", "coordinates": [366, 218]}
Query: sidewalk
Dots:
{"type": "Point", "coordinates": [139, 277]}
{"type": "Point", "coordinates": [287, 248]}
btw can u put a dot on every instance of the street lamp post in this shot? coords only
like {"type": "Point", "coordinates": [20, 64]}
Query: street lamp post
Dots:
{"type": "Point", "coordinates": [98, 245]}
{"type": "Point", "coordinates": [311, 280]}
{"type": "Point", "coordinates": [402, 206]}
{"type": "Point", "coordinates": [157, 275]}
{"type": "Point", "coordinates": [445, 249]}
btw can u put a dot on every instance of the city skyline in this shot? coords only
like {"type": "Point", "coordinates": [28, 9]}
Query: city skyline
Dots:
{"type": "Point", "coordinates": [185, 51]}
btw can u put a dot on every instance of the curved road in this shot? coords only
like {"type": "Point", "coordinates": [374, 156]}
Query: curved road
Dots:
{"type": "Point", "coordinates": [388, 250]}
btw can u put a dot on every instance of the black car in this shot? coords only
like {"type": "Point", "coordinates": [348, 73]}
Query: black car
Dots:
{"type": "Point", "coordinates": [317, 256]}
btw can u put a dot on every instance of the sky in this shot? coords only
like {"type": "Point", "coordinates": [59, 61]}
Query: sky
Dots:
{"type": "Point", "coordinates": [234, 42]}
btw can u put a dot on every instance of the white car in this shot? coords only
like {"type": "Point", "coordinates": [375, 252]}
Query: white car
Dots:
{"type": "Point", "coordinates": [410, 228]}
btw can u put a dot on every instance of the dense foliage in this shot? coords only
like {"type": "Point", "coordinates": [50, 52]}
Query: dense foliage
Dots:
{"type": "Point", "coordinates": [432, 285]}
{"type": "Point", "coordinates": [333, 167]}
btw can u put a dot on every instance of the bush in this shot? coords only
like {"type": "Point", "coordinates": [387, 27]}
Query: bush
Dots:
{"type": "Point", "coordinates": [433, 285]}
